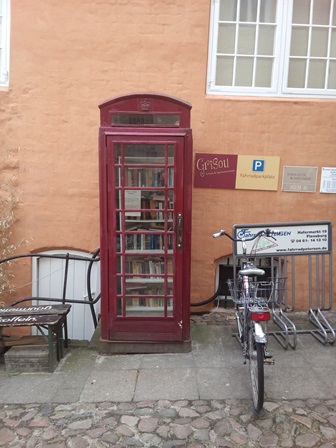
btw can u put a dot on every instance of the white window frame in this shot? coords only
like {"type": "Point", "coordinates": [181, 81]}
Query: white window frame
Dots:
{"type": "Point", "coordinates": [281, 61]}
{"type": "Point", "coordinates": [5, 32]}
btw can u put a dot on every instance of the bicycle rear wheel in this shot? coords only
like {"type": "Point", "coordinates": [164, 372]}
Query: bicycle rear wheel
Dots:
{"type": "Point", "coordinates": [256, 366]}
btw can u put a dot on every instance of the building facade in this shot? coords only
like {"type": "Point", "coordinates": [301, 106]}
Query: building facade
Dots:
{"type": "Point", "coordinates": [260, 76]}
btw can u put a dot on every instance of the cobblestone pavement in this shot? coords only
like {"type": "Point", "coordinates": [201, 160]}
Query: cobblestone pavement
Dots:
{"type": "Point", "coordinates": [193, 424]}
{"type": "Point", "coordinates": [229, 423]}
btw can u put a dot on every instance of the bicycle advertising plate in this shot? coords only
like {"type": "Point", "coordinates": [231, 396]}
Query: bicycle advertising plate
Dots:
{"type": "Point", "coordinates": [291, 238]}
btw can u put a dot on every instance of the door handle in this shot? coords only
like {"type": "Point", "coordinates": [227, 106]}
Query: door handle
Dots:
{"type": "Point", "coordinates": [179, 230]}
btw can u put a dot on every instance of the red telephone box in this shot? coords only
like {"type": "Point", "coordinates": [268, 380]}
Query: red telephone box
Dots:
{"type": "Point", "coordinates": [145, 154]}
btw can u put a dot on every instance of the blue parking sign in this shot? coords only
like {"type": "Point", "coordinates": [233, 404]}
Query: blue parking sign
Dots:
{"type": "Point", "coordinates": [258, 165]}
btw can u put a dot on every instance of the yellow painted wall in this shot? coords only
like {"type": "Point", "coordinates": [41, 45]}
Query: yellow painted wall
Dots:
{"type": "Point", "coordinates": [67, 57]}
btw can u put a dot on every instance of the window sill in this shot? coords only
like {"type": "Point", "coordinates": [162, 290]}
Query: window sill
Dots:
{"type": "Point", "coordinates": [269, 97]}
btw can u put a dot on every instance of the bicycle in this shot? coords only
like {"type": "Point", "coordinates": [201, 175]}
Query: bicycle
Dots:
{"type": "Point", "coordinates": [251, 297]}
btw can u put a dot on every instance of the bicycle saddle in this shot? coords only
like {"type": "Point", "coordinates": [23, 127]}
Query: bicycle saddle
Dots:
{"type": "Point", "coordinates": [251, 271]}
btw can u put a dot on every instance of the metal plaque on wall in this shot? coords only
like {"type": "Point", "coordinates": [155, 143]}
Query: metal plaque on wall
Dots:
{"type": "Point", "coordinates": [299, 179]}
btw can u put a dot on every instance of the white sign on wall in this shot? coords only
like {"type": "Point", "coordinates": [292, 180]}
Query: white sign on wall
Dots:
{"type": "Point", "coordinates": [328, 180]}
{"type": "Point", "coordinates": [298, 238]}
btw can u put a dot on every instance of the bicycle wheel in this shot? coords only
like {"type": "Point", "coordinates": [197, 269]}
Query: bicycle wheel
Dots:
{"type": "Point", "coordinates": [256, 365]}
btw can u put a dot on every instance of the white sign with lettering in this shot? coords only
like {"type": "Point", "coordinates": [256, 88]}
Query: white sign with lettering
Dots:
{"type": "Point", "coordinates": [328, 180]}
{"type": "Point", "coordinates": [286, 238]}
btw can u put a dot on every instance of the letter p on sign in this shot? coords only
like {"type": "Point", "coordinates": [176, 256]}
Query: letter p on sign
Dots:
{"type": "Point", "coordinates": [258, 165]}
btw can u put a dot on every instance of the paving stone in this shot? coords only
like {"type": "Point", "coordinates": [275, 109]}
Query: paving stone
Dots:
{"type": "Point", "coordinates": [183, 421]}
{"type": "Point", "coordinates": [306, 421]}
{"type": "Point", "coordinates": [110, 437]}
{"type": "Point", "coordinates": [253, 432]}
{"type": "Point", "coordinates": [172, 443]}
{"type": "Point", "coordinates": [269, 406]}
{"type": "Point", "coordinates": [129, 420]}
{"type": "Point", "coordinates": [328, 433]}
{"type": "Point", "coordinates": [222, 428]}
{"type": "Point", "coordinates": [54, 445]}
{"type": "Point", "coordinates": [40, 423]}
{"type": "Point", "coordinates": [109, 422]}
{"type": "Point", "coordinates": [307, 440]}
{"type": "Point", "coordinates": [124, 431]}
{"type": "Point", "coordinates": [186, 412]}
{"type": "Point", "coordinates": [202, 409]}
{"type": "Point", "coordinates": [32, 442]}
{"type": "Point", "coordinates": [332, 420]}
{"type": "Point", "coordinates": [238, 439]}
{"type": "Point", "coordinates": [78, 442]}
{"type": "Point", "coordinates": [268, 440]}
{"type": "Point", "coordinates": [30, 415]}
{"type": "Point", "coordinates": [6, 436]}
{"type": "Point", "coordinates": [201, 434]}
{"type": "Point", "coordinates": [168, 412]}
{"type": "Point", "coordinates": [287, 443]}
{"type": "Point", "coordinates": [200, 423]}
{"type": "Point", "coordinates": [163, 431]}
{"type": "Point", "coordinates": [265, 424]}
{"type": "Point", "coordinates": [11, 423]}
{"type": "Point", "coordinates": [148, 424]}
{"type": "Point", "coordinates": [50, 433]}
{"type": "Point", "coordinates": [80, 424]}
{"type": "Point", "coordinates": [132, 442]}
{"type": "Point", "coordinates": [164, 404]}
{"type": "Point", "coordinates": [182, 432]}
{"type": "Point", "coordinates": [225, 443]}
{"type": "Point", "coordinates": [95, 433]}
{"type": "Point", "coordinates": [23, 432]}
{"type": "Point", "coordinates": [151, 439]}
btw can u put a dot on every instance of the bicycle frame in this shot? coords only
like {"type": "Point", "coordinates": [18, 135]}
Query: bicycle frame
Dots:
{"type": "Point", "coordinates": [256, 314]}
{"type": "Point", "coordinates": [252, 315]}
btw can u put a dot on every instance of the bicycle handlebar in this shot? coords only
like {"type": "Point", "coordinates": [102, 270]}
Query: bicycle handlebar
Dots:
{"type": "Point", "coordinates": [220, 233]}
{"type": "Point", "coordinates": [267, 232]}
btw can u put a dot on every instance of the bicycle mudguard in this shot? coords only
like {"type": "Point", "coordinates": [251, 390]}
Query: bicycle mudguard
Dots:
{"type": "Point", "coordinates": [259, 333]}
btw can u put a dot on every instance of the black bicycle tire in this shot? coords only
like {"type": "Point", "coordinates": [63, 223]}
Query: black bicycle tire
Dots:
{"type": "Point", "coordinates": [256, 372]}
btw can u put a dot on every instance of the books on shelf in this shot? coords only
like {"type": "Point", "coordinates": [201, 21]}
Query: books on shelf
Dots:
{"type": "Point", "coordinates": [149, 302]}
{"type": "Point", "coordinates": [147, 285]}
{"type": "Point", "coordinates": [145, 214]}
{"type": "Point", "coordinates": [145, 177]}
{"type": "Point", "coordinates": [149, 176]}
{"type": "Point", "coordinates": [146, 290]}
{"type": "Point", "coordinates": [154, 266]}
{"type": "Point", "coordinates": [149, 207]}
{"type": "Point", "coordinates": [148, 241]}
